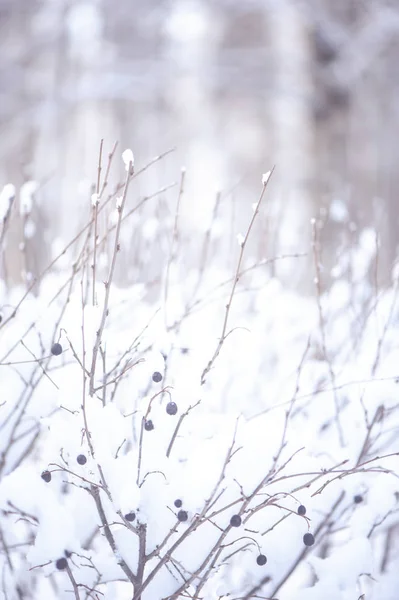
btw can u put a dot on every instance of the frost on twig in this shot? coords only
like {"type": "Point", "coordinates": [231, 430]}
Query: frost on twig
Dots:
{"type": "Point", "coordinates": [128, 159]}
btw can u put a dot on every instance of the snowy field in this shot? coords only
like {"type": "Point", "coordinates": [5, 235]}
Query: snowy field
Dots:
{"type": "Point", "coordinates": [222, 438]}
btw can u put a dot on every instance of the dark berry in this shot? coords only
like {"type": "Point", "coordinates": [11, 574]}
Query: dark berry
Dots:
{"type": "Point", "coordinates": [235, 521]}
{"type": "Point", "coordinates": [46, 476]}
{"type": "Point", "coordinates": [130, 516]}
{"type": "Point", "coordinates": [358, 499]}
{"type": "Point", "coordinates": [308, 539]}
{"type": "Point", "coordinates": [301, 510]}
{"type": "Point", "coordinates": [157, 377]}
{"type": "Point", "coordinates": [56, 349]}
{"type": "Point", "coordinates": [82, 460]}
{"type": "Point", "coordinates": [178, 503]}
{"type": "Point", "coordinates": [149, 425]}
{"type": "Point", "coordinates": [171, 408]}
{"type": "Point", "coordinates": [61, 564]}
{"type": "Point", "coordinates": [261, 560]}
{"type": "Point", "coordinates": [182, 515]}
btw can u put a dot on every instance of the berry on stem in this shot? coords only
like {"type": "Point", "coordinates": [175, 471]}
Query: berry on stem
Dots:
{"type": "Point", "coordinates": [171, 408]}
{"type": "Point", "coordinates": [178, 503]}
{"type": "Point", "coordinates": [235, 521]}
{"type": "Point", "coordinates": [61, 564]}
{"type": "Point", "coordinates": [149, 425]}
{"type": "Point", "coordinates": [182, 515]}
{"type": "Point", "coordinates": [130, 516]}
{"type": "Point", "coordinates": [261, 560]}
{"type": "Point", "coordinates": [56, 349]}
{"type": "Point", "coordinates": [308, 539]}
{"type": "Point", "coordinates": [82, 460]}
{"type": "Point", "coordinates": [301, 510]}
{"type": "Point", "coordinates": [157, 376]}
{"type": "Point", "coordinates": [358, 499]}
{"type": "Point", "coordinates": [46, 476]}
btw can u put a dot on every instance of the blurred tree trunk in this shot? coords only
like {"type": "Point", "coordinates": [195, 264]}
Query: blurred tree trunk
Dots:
{"type": "Point", "coordinates": [18, 126]}
{"type": "Point", "coordinates": [356, 123]}
{"type": "Point", "coordinates": [293, 135]}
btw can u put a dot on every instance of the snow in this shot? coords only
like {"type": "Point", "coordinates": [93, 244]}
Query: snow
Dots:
{"type": "Point", "coordinates": [257, 439]}
{"type": "Point", "coordinates": [26, 197]}
{"type": "Point", "coordinates": [240, 239]}
{"type": "Point", "coordinates": [266, 177]}
{"type": "Point", "coordinates": [7, 195]}
{"type": "Point", "coordinates": [128, 158]}
{"type": "Point", "coordinates": [339, 211]}
{"type": "Point", "coordinates": [29, 229]}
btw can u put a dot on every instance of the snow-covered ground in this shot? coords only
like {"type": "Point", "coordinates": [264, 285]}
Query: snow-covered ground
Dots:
{"type": "Point", "coordinates": [165, 447]}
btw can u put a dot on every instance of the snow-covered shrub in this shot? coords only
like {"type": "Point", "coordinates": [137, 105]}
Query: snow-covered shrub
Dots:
{"type": "Point", "coordinates": [229, 439]}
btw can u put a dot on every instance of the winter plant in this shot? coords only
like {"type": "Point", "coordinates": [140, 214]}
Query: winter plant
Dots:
{"type": "Point", "coordinates": [221, 437]}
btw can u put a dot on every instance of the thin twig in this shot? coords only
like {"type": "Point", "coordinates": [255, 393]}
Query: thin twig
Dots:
{"type": "Point", "coordinates": [323, 331]}
{"type": "Point", "coordinates": [176, 431]}
{"type": "Point", "coordinates": [236, 279]}
{"type": "Point", "coordinates": [175, 236]}
{"type": "Point", "coordinates": [108, 283]}
{"type": "Point", "coordinates": [73, 581]}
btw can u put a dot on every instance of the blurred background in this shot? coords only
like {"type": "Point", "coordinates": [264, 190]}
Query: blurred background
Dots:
{"type": "Point", "coordinates": [310, 86]}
